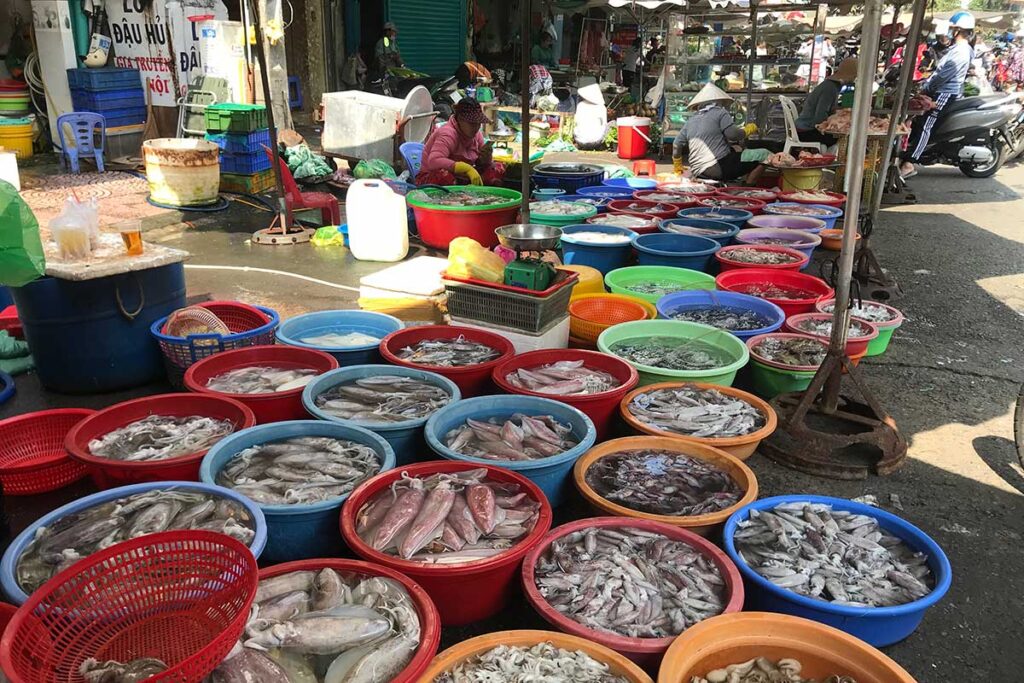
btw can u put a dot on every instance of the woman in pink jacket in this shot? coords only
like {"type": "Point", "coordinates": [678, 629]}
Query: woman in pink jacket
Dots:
{"type": "Point", "coordinates": [456, 154]}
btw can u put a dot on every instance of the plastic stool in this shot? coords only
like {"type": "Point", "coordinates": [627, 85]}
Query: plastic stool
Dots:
{"type": "Point", "coordinates": [412, 155]}
{"type": "Point", "coordinates": [295, 100]}
{"type": "Point", "coordinates": [645, 167]}
{"type": "Point", "coordinates": [80, 138]}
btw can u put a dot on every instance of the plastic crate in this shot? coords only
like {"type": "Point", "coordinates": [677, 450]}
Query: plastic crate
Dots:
{"type": "Point", "coordinates": [248, 184]}
{"type": "Point", "coordinates": [235, 118]}
{"type": "Point", "coordinates": [245, 163]}
{"type": "Point", "coordinates": [497, 305]}
{"type": "Point", "coordinates": [114, 118]}
{"type": "Point", "coordinates": [107, 100]}
{"type": "Point", "coordinates": [241, 142]}
{"type": "Point", "coordinates": [106, 78]}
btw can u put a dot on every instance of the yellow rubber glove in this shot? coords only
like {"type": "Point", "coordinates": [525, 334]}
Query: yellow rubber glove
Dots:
{"type": "Point", "coordinates": [750, 129]}
{"type": "Point", "coordinates": [467, 171]}
{"type": "Point", "coordinates": [677, 165]}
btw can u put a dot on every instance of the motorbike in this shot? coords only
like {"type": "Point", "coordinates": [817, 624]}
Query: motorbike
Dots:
{"type": "Point", "coordinates": [1016, 134]}
{"type": "Point", "coordinates": [973, 134]}
{"type": "Point", "coordinates": [398, 81]}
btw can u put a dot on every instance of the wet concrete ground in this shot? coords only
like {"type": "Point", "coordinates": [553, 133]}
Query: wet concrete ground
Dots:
{"type": "Point", "coordinates": [950, 379]}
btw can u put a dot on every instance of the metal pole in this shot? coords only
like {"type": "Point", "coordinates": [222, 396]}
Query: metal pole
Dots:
{"type": "Point", "coordinates": [751, 59]}
{"type": "Point", "coordinates": [524, 81]}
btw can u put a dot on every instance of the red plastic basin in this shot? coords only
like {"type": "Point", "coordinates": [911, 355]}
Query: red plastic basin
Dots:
{"type": "Point", "coordinates": [737, 281]}
{"type": "Point", "coordinates": [683, 201]}
{"type": "Point", "coordinates": [438, 227]}
{"type": "Point", "coordinates": [107, 473]}
{"type": "Point", "coordinates": [754, 206]}
{"type": "Point", "coordinates": [275, 407]}
{"type": "Point", "coordinates": [463, 593]}
{"type": "Point", "coordinates": [600, 408]}
{"type": "Point", "coordinates": [646, 652]}
{"type": "Point", "coordinates": [621, 206]}
{"type": "Point", "coordinates": [855, 346]}
{"type": "Point", "coordinates": [837, 199]}
{"type": "Point", "coordinates": [737, 193]}
{"type": "Point", "coordinates": [725, 263]}
{"type": "Point", "coordinates": [472, 380]}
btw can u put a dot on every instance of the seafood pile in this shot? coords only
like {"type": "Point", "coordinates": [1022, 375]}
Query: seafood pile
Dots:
{"type": "Point", "coordinates": [136, 670]}
{"type": "Point", "coordinates": [542, 662]}
{"type": "Point", "coordinates": [448, 353]}
{"type": "Point", "coordinates": [458, 198]}
{"type": "Point", "coordinates": [629, 581]}
{"type": "Point", "coordinates": [643, 207]}
{"type": "Point", "coordinates": [620, 220]}
{"type": "Point", "coordinates": [325, 626]}
{"type": "Point", "coordinates": [764, 670]}
{"type": "Point", "coordinates": [599, 237]}
{"type": "Point", "coordinates": [692, 230]}
{"type": "Point", "coordinates": [299, 471]}
{"type": "Point", "coordinates": [336, 339]}
{"type": "Point", "coordinates": [723, 317]}
{"type": "Point", "coordinates": [795, 209]}
{"type": "Point", "coordinates": [80, 534]}
{"type": "Point", "coordinates": [712, 213]}
{"type": "Point", "coordinates": [832, 555]}
{"type": "Point", "coordinates": [563, 378]}
{"type": "Point", "coordinates": [760, 257]}
{"type": "Point", "coordinates": [447, 518]}
{"type": "Point", "coordinates": [722, 202]}
{"type": "Point", "coordinates": [671, 353]}
{"type": "Point", "coordinates": [778, 241]}
{"type": "Point", "coordinates": [697, 188]}
{"type": "Point", "coordinates": [670, 197]}
{"type": "Point", "coordinates": [796, 351]}
{"type": "Point", "coordinates": [811, 196]}
{"type": "Point", "coordinates": [383, 398]}
{"type": "Point", "coordinates": [520, 437]}
{"type": "Point", "coordinates": [764, 195]}
{"type": "Point", "coordinates": [553, 208]}
{"type": "Point", "coordinates": [841, 121]}
{"type": "Point", "coordinates": [593, 201]}
{"type": "Point", "coordinates": [260, 379]}
{"type": "Point", "coordinates": [696, 412]}
{"type": "Point", "coordinates": [663, 483]}
{"type": "Point", "coordinates": [867, 310]}
{"type": "Point", "coordinates": [770, 290]}
{"type": "Point", "coordinates": [161, 437]}
{"type": "Point", "coordinates": [823, 327]}
{"type": "Point", "coordinates": [655, 287]}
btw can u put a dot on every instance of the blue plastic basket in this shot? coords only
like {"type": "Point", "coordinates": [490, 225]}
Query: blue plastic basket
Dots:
{"type": "Point", "coordinates": [670, 303]}
{"type": "Point", "coordinates": [242, 143]}
{"type": "Point", "coordinates": [245, 163]}
{"type": "Point", "coordinates": [679, 251]}
{"type": "Point", "coordinates": [114, 118]}
{"type": "Point", "coordinates": [375, 324]}
{"type": "Point", "coordinates": [9, 563]}
{"type": "Point", "coordinates": [102, 101]}
{"type": "Point", "coordinates": [602, 256]}
{"type": "Point", "coordinates": [104, 78]}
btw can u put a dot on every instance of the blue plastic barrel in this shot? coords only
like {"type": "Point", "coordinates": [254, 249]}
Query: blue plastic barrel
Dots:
{"type": "Point", "coordinates": [406, 438]}
{"type": "Point", "coordinates": [553, 474]}
{"type": "Point", "coordinates": [603, 256]}
{"type": "Point", "coordinates": [737, 217]}
{"type": "Point", "coordinates": [379, 325]}
{"type": "Point", "coordinates": [678, 251]}
{"type": "Point", "coordinates": [670, 304]}
{"type": "Point", "coordinates": [92, 336]}
{"type": "Point", "coordinates": [719, 231]}
{"type": "Point", "coordinates": [296, 532]}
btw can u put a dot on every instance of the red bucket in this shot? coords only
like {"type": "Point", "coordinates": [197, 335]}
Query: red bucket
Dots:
{"type": "Point", "coordinates": [107, 473]}
{"type": "Point", "coordinates": [472, 380]}
{"type": "Point", "coordinates": [275, 407]}
{"type": "Point", "coordinates": [725, 263]}
{"type": "Point", "coordinates": [855, 346]}
{"type": "Point", "coordinates": [634, 136]}
{"type": "Point", "coordinates": [601, 408]}
{"type": "Point", "coordinates": [32, 455]}
{"type": "Point", "coordinates": [739, 280]}
{"type": "Point", "coordinates": [463, 593]}
{"type": "Point", "coordinates": [622, 206]}
{"type": "Point", "coordinates": [438, 227]}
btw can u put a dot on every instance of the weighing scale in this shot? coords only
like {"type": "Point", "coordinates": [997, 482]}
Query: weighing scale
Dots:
{"type": "Point", "coordinates": [529, 272]}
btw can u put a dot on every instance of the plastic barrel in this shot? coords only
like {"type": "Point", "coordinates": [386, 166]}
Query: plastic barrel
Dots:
{"type": "Point", "coordinates": [678, 251]}
{"type": "Point", "coordinates": [600, 255]}
{"type": "Point", "coordinates": [670, 304]}
{"type": "Point", "coordinates": [379, 325]}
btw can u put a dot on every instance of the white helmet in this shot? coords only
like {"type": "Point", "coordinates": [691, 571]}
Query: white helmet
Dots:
{"type": "Point", "coordinates": [962, 20]}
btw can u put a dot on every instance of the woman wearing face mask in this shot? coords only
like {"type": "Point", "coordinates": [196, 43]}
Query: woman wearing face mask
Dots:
{"type": "Point", "coordinates": [822, 101]}
{"type": "Point", "coordinates": [456, 153]}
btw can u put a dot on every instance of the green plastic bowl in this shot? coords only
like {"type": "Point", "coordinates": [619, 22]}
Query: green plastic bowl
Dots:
{"type": "Point", "coordinates": [721, 339]}
{"type": "Point", "coordinates": [768, 382]}
{"type": "Point", "coordinates": [618, 280]}
{"type": "Point", "coordinates": [878, 345]}
{"type": "Point", "coordinates": [513, 198]}
{"type": "Point", "coordinates": [558, 220]}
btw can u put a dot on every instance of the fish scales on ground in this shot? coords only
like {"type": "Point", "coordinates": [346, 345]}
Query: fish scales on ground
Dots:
{"type": "Point", "coordinates": [770, 290]}
{"type": "Point", "coordinates": [448, 353]}
{"type": "Point", "coordinates": [93, 671]}
{"type": "Point", "coordinates": [663, 483]}
{"type": "Point", "coordinates": [563, 378]}
{"type": "Point", "coordinates": [299, 471]}
{"type": "Point", "coordinates": [628, 581]}
{"type": "Point", "coordinates": [540, 663]}
{"type": "Point", "coordinates": [797, 351]}
{"type": "Point", "coordinates": [520, 437]}
{"type": "Point", "coordinates": [337, 339]}
{"type": "Point", "coordinates": [458, 198]}
{"type": "Point", "coordinates": [832, 555]}
{"type": "Point", "coordinates": [867, 310]}
{"type": "Point", "coordinates": [723, 317]}
{"type": "Point", "coordinates": [383, 399]}
{"type": "Point", "coordinates": [447, 518]}
{"type": "Point", "coordinates": [696, 412]}
{"type": "Point", "coordinates": [161, 437]}
{"type": "Point", "coordinates": [760, 257]}
{"type": "Point", "coordinates": [261, 379]}
{"type": "Point", "coordinates": [823, 328]}
{"type": "Point", "coordinates": [764, 670]}
{"type": "Point", "coordinates": [671, 353]}
{"type": "Point", "coordinates": [82, 533]}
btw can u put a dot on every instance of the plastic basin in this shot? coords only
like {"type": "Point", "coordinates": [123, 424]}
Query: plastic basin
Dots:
{"type": "Point", "coordinates": [644, 651]}
{"type": "Point", "coordinates": [768, 378]}
{"type": "Point", "coordinates": [740, 447]}
{"type": "Point", "coordinates": [406, 438]}
{"type": "Point", "coordinates": [878, 626]}
{"type": "Point", "coordinates": [623, 206]}
{"type": "Point", "coordinates": [602, 256]}
{"type": "Point", "coordinates": [670, 304]}
{"type": "Point", "coordinates": [855, 346]}
{"type": "Point", "coordinates": [698, 524]}
{"type": "Point", "coordinates": [879, 344]}
{"type": "Point", "coordinates": [725, 262]}
{"type": "Point", "coordinates": [738, 280]}
{"type": "Point", "coordinates": [719, 231]}
{"type": "Point", "coordinates": [546, 176]}
{"type": "Point", "coordinates": [792, 209]}
{"type": "Point", "coordinates": [591, 280]}
{"type": "Point", "coordinates": [547, 193]}
{"type": "Point", "coordinates": [619, 281]}
{"type": "Point", "coordinates": [559, 220]}
{"type": "Point", "coordinates": [272, 407]}
{"type": "Point", "coordinates": [678, 251]}
{"type": "Point", "coordinates": [439, 225]}
{"type": "Point", "coordinates": [683, 201]}
{"type": "Point", "coordinates": [108, 472]}
{"type": "Point", "coordinates": [606, 192]}
{"type": "Point", "coordinates": [9, 563]}
{"type": "Point", "coordinates": [838, 200]}
{"type": "Point", "coordinates": [550, 474]}
{"type": "Point", "coordinates": [599, 203]}
{"type": "Point", "coordinates": [801, 241]}
{"type": "Point", "coordinates": [592, 314]}
{"type": "Point", "coordinates": [699, 189]}
{"type": "Point", "coordinates": [471, 380]}
{"type": "Point", "coordinates": [463, 593]}
{"type": "Point", "coordinates": [761, 194]}
{"type": "Point", "coordinates": [32, 454]}
{"type": "Point", "coordinates": [728, 343]}
{"type": "Point", "coordinates": [754, 206]}
{"type": "Point", "coordinates": [737, 217]}
{"type": "Point", "coordinates": [802, 223]}
{"type": "Point", "coordinates": [617, 664]}
{"type": "Point", "coordinates": [632, 184]}
{"type": "Point", "coordinates": [650, 226]}
{"type": "Point", "coordinates": [296, 532]}
{"type": "Point", "coordinates": [732, 638]}
{"type": "Point", "coordinates": [379, 325]}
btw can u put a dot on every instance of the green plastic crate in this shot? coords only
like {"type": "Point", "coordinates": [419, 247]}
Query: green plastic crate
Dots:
{"type": "Point", "coordinates": [235, 118]}
{"type": "Point", "coordinates": [248, 184]}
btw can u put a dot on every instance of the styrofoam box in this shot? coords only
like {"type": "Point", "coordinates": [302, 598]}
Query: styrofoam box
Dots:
{"type": "Point", "coordinates": [555, 336]}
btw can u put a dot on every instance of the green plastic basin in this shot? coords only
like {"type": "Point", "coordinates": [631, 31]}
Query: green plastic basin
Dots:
{"type": "Point", "coordinates": [511, 198]}
{"type": "Point", "coordinates": [619, 280]}
{"type": "Point", "coordinates": [559, 220]}
{"type": "Point", "coordinates": [878, 345]}
{"type": "Point", "coordinates": [768, 382]}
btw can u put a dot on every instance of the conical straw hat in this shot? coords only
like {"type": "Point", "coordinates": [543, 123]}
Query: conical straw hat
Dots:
{"type": "Point", "coordinates": [709, 93]}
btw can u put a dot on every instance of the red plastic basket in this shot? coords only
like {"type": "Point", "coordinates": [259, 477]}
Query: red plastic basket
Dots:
{"type": "Point", "coordinates": [182, 597]}
{"type": "Point", "coordinates": [32, 455]}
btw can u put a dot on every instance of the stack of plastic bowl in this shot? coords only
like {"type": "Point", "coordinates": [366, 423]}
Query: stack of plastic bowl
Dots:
{"type": "Point", "coordinates": [592, 314]}
{"type": "Point", "coordinates": [856, 346]}
{"type": "Point", "coordinates": [769, 378]}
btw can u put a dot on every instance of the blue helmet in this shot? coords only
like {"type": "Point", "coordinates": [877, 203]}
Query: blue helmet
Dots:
{"type": "Point", "coordinates": [962, 20]}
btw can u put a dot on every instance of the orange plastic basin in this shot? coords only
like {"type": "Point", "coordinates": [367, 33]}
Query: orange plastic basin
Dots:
{"type": "Point", "coordinates": [592, 314]}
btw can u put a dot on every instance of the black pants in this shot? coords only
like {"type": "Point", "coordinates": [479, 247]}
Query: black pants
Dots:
{"type": "Point", "coordinates": [921, 129]}
{"type": "Point", "coordinates": [815, 135]}
{"type": "Point", "coordinates": [729, 167]}
{"type": "Point", "coordinates": [627, 78]}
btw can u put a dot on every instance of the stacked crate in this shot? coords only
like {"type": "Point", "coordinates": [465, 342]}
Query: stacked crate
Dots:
{"type": "Point", "coordinates": [115, 93]}
{"type": "Point", "coordinates": [241, 132]}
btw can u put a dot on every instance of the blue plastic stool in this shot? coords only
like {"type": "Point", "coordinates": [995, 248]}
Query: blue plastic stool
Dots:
{"type": "Point", "coordinates": [412, 155]}
{"type": "Point", "coordinates": [83, 126]}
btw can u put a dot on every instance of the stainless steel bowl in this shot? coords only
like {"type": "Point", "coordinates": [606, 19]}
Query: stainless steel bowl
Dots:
{"type": "Point", "coordinates": [528, 236]}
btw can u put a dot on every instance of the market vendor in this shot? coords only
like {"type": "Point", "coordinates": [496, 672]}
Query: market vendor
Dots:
{"type": "Point", "coordinates": [543, 52]}
{"type": "Point", "coordinates": [386, 53]}
{"type": "Point", "coordinates": [822, 101]}
{"type": "Point", "coordinates": [456, 154]}
{"type": "Point", "coordinates": [713, 140]}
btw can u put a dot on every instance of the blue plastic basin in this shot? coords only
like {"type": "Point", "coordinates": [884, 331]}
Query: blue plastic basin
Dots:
{"type": "Point", "coordinates": [879, 626]}
{"type": "Point", "coordinates": [552, 475]}
{"type": "Point", "coordinates": [406, 438]}
{"type": "Point", "coordinates": [606, 192]}
{"type": "Point", "coordinates": [601, 205]}
{"type": "Point", "coordinates": [671, 303]}
{"type": "Point", "coordinates": [632, 183]}
{"type": "Point", "coordinates": [296, 532]}
{"type": "Point", "coordinates": [723, 231]}
{"type": "Point", "coordinates": [678, 251]}
{"type": "Point", "coordinates": [9, 564]}
{"type": "Point", "coordinates": [783, 209]}
{"type": "Point", "coordinates": [737, 217]}
{"type": "Point", "coordinates": [604, 257]}
{"type": "Point", "coordinates": [322, 322]}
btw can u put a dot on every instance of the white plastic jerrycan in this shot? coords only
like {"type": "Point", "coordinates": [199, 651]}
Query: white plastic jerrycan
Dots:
{"type": "Point", "coordinates": [378, 226]}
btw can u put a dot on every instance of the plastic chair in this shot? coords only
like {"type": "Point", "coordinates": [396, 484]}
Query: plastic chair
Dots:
{"type": "Point", "coordinates": [789, 114]}
{"type": "Point", "coordinates": [645, 167]}
{"type": "Point", "coordinates": [77, 132]}
{"type": "Point", "coordinates": [297, 200]}
{"type": "Point", "coordinates": [412, 155]}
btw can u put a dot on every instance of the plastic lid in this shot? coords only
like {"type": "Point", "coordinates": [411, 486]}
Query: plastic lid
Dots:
{"type": "Point", "coordinates": [417, 102]}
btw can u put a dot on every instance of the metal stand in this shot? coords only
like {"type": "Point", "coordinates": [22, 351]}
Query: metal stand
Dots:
{"type": "Point", "coordinates": [875, 283]}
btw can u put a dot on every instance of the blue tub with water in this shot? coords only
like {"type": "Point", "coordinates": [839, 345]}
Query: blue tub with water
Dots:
{"type": "Point", "coordinates": [604, 256]}
{"type": "Point", "coordinates": [554, 474]}
{"type": "Point", "coordinates": [678, 251]}
{"type": "Point", "coordinates": [670, 304]}
{"type": "Point", "coordinates": [879, 626]}
{"type": "Point", "coordinates": [297, 532]}
{"type": "Point", "coordinates": [633, 184]}
{"type": "Point", "coordinates": [829, 214]}
{"type": "Point", "coordinates": [294, 330]}
{"type": "Point", "coordinates": [406, 438]}
{"type": "Point", "coordinates": [719, 231]}
{"type": "Point", "coordinates": [606, 192]}
{"type": "Point", "coordinates": [9, 564]}
{"type": "Point", "coordinates": [737, 217]}
{"type": "Point", "coordinates": [599, 203]}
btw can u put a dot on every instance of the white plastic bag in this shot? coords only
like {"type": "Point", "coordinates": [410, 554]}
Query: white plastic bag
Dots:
{"type": "Point", "coordinates": [77, 229]}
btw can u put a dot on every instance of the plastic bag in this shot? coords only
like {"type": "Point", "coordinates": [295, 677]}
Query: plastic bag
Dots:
{"type": "Point", "coordinates": [327, 236]}
{"type": "Point", "coordinates": [21, 251]}
{"type": "Point", "coordinates": [306, 164]}
{"type": "Point", "coordinates": [466, 258]}
{"type": "Point", "coordinates": [76, 230]}
{"type": "Point", "coordinates": [373, 168]}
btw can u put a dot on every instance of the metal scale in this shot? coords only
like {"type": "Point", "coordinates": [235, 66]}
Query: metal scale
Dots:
{"type": "Point", "coordinates": [529, 271]}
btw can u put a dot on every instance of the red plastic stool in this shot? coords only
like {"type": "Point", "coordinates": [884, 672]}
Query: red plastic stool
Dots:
{"type": "Point", "coordinates": [645, 167]}
{"type": "Point", "coordinates": [296, 200]}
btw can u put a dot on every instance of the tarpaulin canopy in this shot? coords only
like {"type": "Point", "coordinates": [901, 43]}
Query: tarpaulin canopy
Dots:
{"type": "Point", "coordinates": [852, 22]}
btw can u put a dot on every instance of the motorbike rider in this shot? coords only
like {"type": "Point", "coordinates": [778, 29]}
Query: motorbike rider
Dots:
{"type": "Point", "coordinates": [944, 86]}
{"type": "Point", "coordinates": [385, 52]}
